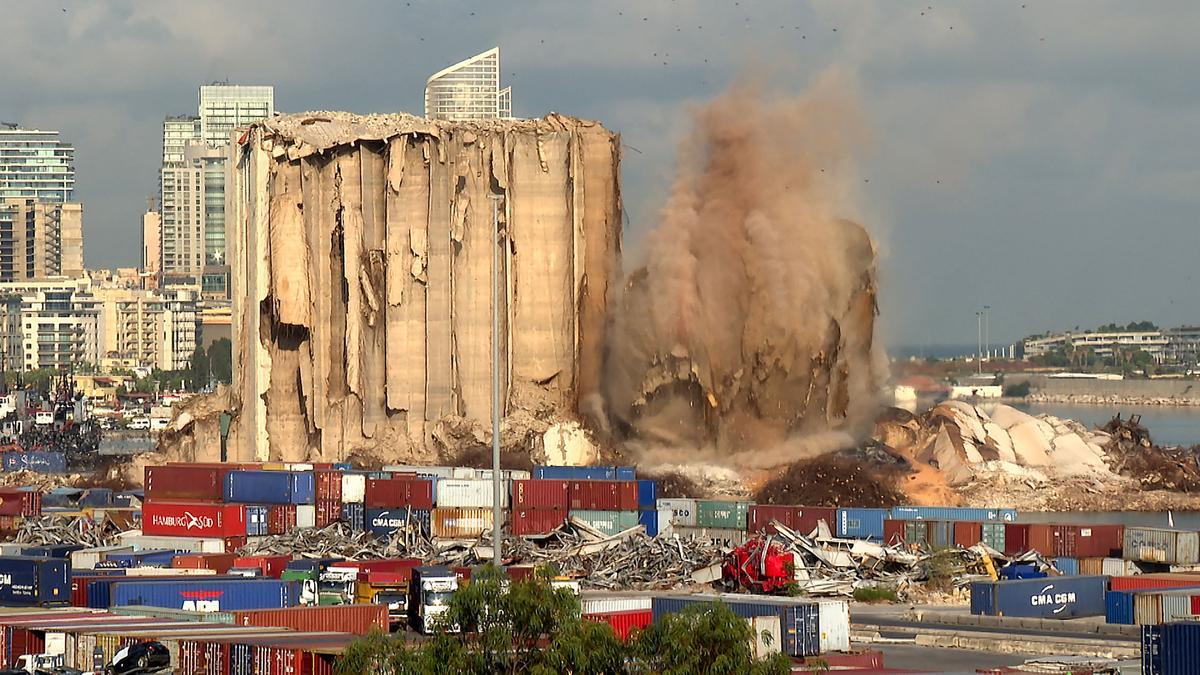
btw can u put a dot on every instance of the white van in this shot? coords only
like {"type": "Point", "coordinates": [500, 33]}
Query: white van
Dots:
{"type": "Point", "coordinates": [139, 423]}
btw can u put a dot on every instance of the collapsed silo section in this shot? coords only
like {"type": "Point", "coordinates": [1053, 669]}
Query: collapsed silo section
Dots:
{"type": "Point", "coordinates": [362, 251]}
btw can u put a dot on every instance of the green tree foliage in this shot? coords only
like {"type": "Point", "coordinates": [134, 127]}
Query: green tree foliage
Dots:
{"type": "Point", "coordinates": [532, 627]}
{"type": "Point", "coordinates": [198, 370]}
{"type": "Point", "coordinates": [220, 359]}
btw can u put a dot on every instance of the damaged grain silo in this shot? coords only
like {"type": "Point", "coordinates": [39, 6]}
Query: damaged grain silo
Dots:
{"type": "Point", "coordinates": [362, 252]}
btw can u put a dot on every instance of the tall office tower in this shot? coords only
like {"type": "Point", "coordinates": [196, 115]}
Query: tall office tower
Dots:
{"type": "Point", "coordinates": [151, 239]}
{"type": "Point", "coordinates": [469, 90]}
{"type": "Point", "coordinates": [35, 165]}
{"type": "Point", "coordinates": [192, 185]}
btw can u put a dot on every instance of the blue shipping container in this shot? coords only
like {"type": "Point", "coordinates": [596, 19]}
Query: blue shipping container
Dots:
{"type": "Point", "coordinates": [1050, 598]}
{"type": "Point", "coordinates": [40, 461]}
{"type": "Point", "coordinates": [1152, 662]}
{"type": "Point", "coordinates": [151, 557]}
{"type": "Point", "coordinates": [195, 594]}
{"type": "Point", "coordinates": [256, 521]}
{"type": "Point", "coordinates": [1022, 571]}
{"type": "Point", "coordinates": [96, 497]}
{"type": "Point", "coordinates": [28, 581]}
{"type": "Point", "coordinates": [654, 520]}
{"type": "Point", "coordinates": [861, 523]}
{"type": "Point", "coordinates": [383, 522]}
{"type": "Point", "coordinates": [1068, 566]}
{"type": "Point", "coordinates": [983, 598]}
{"type": "Point", "coordinates": [355, 516]}
{"type": "Point", "coordinates": [1118, 605]}
{"type": "Point", "coordinates": [647, 495]}
{"type": "Point", "coordinates": [584, 472]}
{"type": "Point", "coordinates": [952, 513]}
{"type": "Point", "coordinates": [270, 487]}
{"type": "Point", "coordinates": [1179, 648]}
{"type": "Point", "coordinates": [798, 621]}
{"type": "Point", "coordinates": [56, 551]}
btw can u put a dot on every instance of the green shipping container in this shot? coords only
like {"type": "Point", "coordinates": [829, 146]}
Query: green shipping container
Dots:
{"type": "Point", "coordinates": [722, 514]}
{"type": "Point", "coordinates": [993, 535]}
{"type": "Point", "coordinates": [916, 532]}
{"type": "Point", "coordinates": [608, 522]}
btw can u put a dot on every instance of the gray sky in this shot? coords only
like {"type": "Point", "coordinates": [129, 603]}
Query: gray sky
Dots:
{"type": "Point", "coordinates": [1040, 157]}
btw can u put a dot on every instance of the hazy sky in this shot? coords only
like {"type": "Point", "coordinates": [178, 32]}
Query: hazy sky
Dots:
{"type": "Point", "coordinates": [1040, 157]}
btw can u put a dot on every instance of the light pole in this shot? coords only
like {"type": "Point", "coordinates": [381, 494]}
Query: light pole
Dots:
{"type": "Point", "coordinates": [496, 238]}
{"type": "Point", "coordinates": [987, 335]}
{"type": "Point", "coordinates": [979, 342]}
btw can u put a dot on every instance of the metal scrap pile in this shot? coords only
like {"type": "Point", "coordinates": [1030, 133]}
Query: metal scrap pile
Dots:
{"type": "Point", "coordinates": [52, 530]}
{"type": "Point", "coordinates": [1133, 453]}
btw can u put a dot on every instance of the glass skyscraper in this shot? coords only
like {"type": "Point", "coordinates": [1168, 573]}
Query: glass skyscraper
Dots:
{"type": "Point", "coordinates": [469, 90]}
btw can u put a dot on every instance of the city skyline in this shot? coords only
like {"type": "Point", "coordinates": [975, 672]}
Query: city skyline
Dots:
{"type": "Point", "coordinates": [982, 190]}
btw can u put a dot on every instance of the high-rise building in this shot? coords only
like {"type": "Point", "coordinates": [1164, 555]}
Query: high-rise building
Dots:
{"type": "Point", "coordinates": [60, 322]}
{"type": "Point", "coordinates": [469, 90]}
{"type": "Point", "coordinates": [192, 184]}
{"type": "Point", "coordinates": [35, 165]}
{"type": "Point", "coordinates": [146, 328]}
{"type": "Point", "coordinates": [40, 239]}
{"type": "Point", "coordinates": [151, 239]}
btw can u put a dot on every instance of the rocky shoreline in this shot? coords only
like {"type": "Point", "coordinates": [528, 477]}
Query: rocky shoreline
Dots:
{"type": "Point", "coordinates": [1113, 399]}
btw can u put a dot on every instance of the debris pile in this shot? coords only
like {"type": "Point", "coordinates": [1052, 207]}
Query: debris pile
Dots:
{"type": "Point", "coordinates": [834, 480]}
{"type": "Point", "coordinates": [1133, 453]}
{"type": "Point", "coordinates": [54, 530]}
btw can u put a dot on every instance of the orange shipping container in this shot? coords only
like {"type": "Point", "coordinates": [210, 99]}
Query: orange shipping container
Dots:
{"type": "Point", "coordinates": [220, 562]}
{"type": "Point", "coordinates": [967, 533]}
{"type": "Point", "coordinates": [357, 619]}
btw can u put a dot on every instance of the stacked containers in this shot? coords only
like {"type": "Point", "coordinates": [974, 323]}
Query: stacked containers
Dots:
{"type": "Point", "coordinates": [861, 523]}
{"type": "Point", "coordinates": [800, 519]}
{"type": "Point", "coordinates": [538, 506]}
{"type": "Point", "coordinates": [799, 620]}
{"type": "Point", "coordinates": [1172, 547]}
{"type": "Point", "coordinates": [610, 506]}
{"type": "Point", "coordinates": [463, 508]}
{"type": "Point", "coordinates": [395, 503]}
{"type": "Point", "coordinates": [328, 507]}
{"type": "Point", "coordinates": [269, 487]}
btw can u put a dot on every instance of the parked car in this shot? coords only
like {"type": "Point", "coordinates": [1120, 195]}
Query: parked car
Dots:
{"type": "Point", "coordinates": [139, 423]}
{"type": "Point", "coordinates": [142, 657]}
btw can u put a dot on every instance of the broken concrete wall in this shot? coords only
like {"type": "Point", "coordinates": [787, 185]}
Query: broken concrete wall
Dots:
{"type": "Point", "coordinates": [362, 250]}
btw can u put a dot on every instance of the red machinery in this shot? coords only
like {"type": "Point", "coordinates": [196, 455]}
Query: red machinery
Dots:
{"type": "Point", "coordinates": [759, 565]}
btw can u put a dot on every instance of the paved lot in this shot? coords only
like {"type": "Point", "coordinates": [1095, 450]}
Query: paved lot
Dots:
{"type": "Point", "coordinates": [928, 659]}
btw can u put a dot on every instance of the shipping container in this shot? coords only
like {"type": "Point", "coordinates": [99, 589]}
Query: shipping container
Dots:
{"type": "Point", "coordinates": [1016, 539]}
{"type": "Point", "coordinates": [1179, 645]}
{"type": "Point", "coordinates": [1091, 567]}
{"type": "Point", "coordinates": [601, 604]}
{"type": "Point", "coordinates": [391, 493]}
{"type": "Point", "coordinates": [328, 485]}
{"type": "Point", "coordinates": [1152, 662]}
{"type": "Point", "coordinates": [256, 521]}
{"type": "Point", "coordinates": [723, 514]}
{"type": "Point", "coordinates": [716, 536]}
{"type": "Point", "coordinates": [952, 513]}
{"type": "Point", "coordinates": [357, 619]}
{"type": "Point", "coordinates": [1164, 606]}
{"type": "Point", "coordinates": [1142, 582]}
{"type": "Point", "coordinates": [86, 559]}
{"type": "Point", "coordinates": [540, 494]}
{"type": "Point", "coordinates": [606, 522]}
{"type": "Point", "coordinates": [184, 482]}
{"type": "Point", "coordinates": [683, 511]}
{"type": "Point", "coordinates": [195, 544]}
{"type": "Point", "coordinates": [536, 521]}
{"type": "Point", "coordinates": [800, 519]}
{"type": "Point", "coordinates": [834, 624]}
{"type": "Point", "coordinates": [506, 475]}
{"type": "Point", "coordinates": [149, 557]}
{"type": "Point", "coordinates": [1173, 547]}
{"type": "Point", "coordinates": [647, 495]}
{"type": "Point", "coordinates": [355, 515]}
{"type": "Point", "coordinates": [198, 519]}
{"type": "Point", "coordinates": [354, 488]}
{"type": "Point", "coordinates": [327, 513]}
{"type": "Point", "coordinates": [207, 595]}
{"type": "Point", "coordinates": [623, 623]}
{"type": "Point", "coordinates": [20, 502]}
{"type": "Point", "coordinates": [281, 519]}
{"type": "Point", "coordinates": [1119, 604]}
{"type": "Point", "coordinates": [384, 522]}
{"type": "Point", "coordinates": [270, 487]}
{"type": "Point", "coordinates": [602, 495]}
{"type": "Point", "coordinates": [452, 523]}
{"type": "Point", "coordinates": [421, 471]}
{"type": "Point", "coordinates": [1068, 567]}
{"type": "Point", "coordinates": [34, 581]}
{"type": "Point", "coordinates": [655, 521]}
{"type": "Point", "coordinates": [860, 523]}
{"type": "Point", "coordinates": [916, 533]}
{"type": "Point", "coordinates": [894, 532]}
{"type": "Point", "coordinates": [270, 565]}
{"type": "Point", "coordinates": [1050, 598]}
{"type": "Point", "coordinates": [941, 534]}
{"type": "Point", "coordinates": [218, 562]}
{"type": "Point", "coordinates": [1099, 541]}
{"type": "Point", "coordinates": [799, 619]}
{"type": "Point", "coordinates": [584, 472]}
{"type": "Point", "coordinates": [38, 461]}
{"type": "Point", "coordinates": [52, 550]}
{"type": "Point", "coordinates": [1118, 567]}
{"type": "Point", "coordinates": [993, 535]}
{"type": "Point", "coordinates": [470, 493]}
{"type": "Point", "coordinates": [306, 516]}
{"type": "Point", "coordinates": [1052, 540]}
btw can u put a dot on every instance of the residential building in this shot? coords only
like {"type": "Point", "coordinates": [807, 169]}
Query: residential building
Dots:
{"type": "Point", "coordinates": [225, 107]}
{"type": "Point", "coordinates": [60, 322]}
{"type": "Point", "coordinates": [178, 132]}
{"type": "Point", "coordinates": [151, 242]}
{"type": "Point", "coordinates": [1102, 344]}
{"type": "Point", "coordinates": [39, 240]}
{"type": "Point", "coordinates": [11, 338]}
{"type": "Point", "coordinates": [182, 209]}
{"type": "Point", "coordinates": [1183, 345]}
{"type": "Point", "coordinates": [469, 90]}
{"type": "Point", "coordinates": [36, 165]}
{"type": "Point", "coordinates": [148, 328]}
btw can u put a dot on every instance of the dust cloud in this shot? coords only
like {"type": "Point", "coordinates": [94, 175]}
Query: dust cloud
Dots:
{"type": "Point", "coordinates": [747, 336]}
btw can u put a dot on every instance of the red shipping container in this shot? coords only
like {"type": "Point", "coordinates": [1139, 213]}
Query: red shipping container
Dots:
{"type": "Point", "coordinates": [328, 512]}
{"type": "Point", "coordinates": [281, 519]}
{"type": "Point", "coordinates": [603, 495]}
{"type": "Point", "coordinates": [800, 519]}
{"type": "Point", "coordinates": [220, 562]}
{"type": "Point", "coordinates": [1052, 540]}
{"type": "Point", "coordinates": [1099, 541]}
{"type": "Point", "coordinates": [14, 502]}
{"type": "Point", "coordinates": [357, 619]}
{"type": "Point", "coordinates": [1016, 539]}
{"type": "Point", "coordinates": [522, 572]}
{"type": "Point", "coordinates": [623, 623]}
{"type": "Point", "coordinates": [392, 493]}
{"type": "Point", "coordinates": [843, 660]}
{"type": "Point", "coordinates": [393, 565]}
{"type": "Point", "coordinates": [399, 577]}
{"type": "Point", "coordinates": [271, 565]}
{"type": "Point", "coordinates": [1140, 582]}
{"type": "Point", "coordinates": [967, 533]}
{"type": "Point", "coordinates": [536, 521]}
{"type": "Point", "coordinates": [540, 494]}
{"type": "Point", "coordinates": [193, 519]}
{"type": "Point", "coordinates": [893, 532]}
{"type": "Point", "coordinates": [328, 485]}
{"type": "Point", "coordinates": [189, 482]}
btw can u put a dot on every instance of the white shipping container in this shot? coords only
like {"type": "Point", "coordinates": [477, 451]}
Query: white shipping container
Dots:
{"type": "Point", "coordinates": [87, 558]}
{"type": "Point", "coordinates": [833, 616]}
{"type": "Point", "coordinates": [615, 603]}
{"type": "Point", "coordinates": [298, 467]}
{"type": "Point", "coordinates": [354, 488]}
{"type": "Point", "coordinates": [167, 572]}
{"type": "Point", "coordinates": [766, 638]}
{"type": "Point", "coordinates": [461, 523]}
{"type": "Point", "coordinates": [463, 473]}
{"type": "Point", "coordinates": [145, 542]}
{"type": "Point", "coordinates": [8, 549]}
{"type": "Point", "coordinates": [428, 471]}
{"type": "Point", "coordinates": [1115, 567]}
{"type": "Point", "coordinates": [683, 511]}
{"type": "Point", "coordinates": [478, 494]}
{"type": "Point", "coordinates": [724, 538]}
{"type": "Point", "coordinates": [505, 474]}
{"type": "Point", "coordinates": [306, 515]}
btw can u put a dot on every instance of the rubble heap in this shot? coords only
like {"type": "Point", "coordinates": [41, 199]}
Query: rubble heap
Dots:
{"type": "Point", "coordinates": [1133, 453]}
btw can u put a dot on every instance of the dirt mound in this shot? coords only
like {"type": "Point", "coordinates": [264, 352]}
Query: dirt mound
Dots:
{"type": "Point", "coordinates": [480, 457]}
{"type": "Point", "coordinates": [673, 485]}
{"type": "Point", "coordinates": [834, 481]}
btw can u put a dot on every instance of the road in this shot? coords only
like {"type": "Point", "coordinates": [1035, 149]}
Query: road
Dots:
{"type": "Point", "coordinates": [933, 660]}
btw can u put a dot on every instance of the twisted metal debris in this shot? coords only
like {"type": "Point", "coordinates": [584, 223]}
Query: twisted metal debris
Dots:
{"type": "Point", "coordinates": [52, 530]}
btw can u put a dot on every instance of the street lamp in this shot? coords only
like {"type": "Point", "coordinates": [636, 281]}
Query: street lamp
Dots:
{"type": "Point", "coordinates": [225, 420]}
{"type": "Point", "coordinates": [497, 237]}
{"type": "Point", "coordinates": [987, 336]}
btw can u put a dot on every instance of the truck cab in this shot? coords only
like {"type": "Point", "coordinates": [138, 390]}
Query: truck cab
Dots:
{"type": "Point", "coordinates": [429, 598]}
{"type": "Point", "coordinates": [386, 588]}
{"type": "Point", "coordinates": [41, 663]}
{"type": "Point", "coordinates": [336, 585]}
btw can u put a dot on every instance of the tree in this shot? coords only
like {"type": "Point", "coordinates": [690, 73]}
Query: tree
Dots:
{"type": "Point", "coordinates": [220, 358]}
{"type": "Point", "coordinates": [197, 373]}
{"type": "Point", "coordinates": [532, 627]}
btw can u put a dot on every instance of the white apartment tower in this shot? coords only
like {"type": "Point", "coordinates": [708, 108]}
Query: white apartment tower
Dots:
{"type": "Point", "coordinates": [469, 90]}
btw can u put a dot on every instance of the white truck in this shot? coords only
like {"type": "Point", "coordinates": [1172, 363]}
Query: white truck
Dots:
{"type": "Point", "coordinates": [432, 588]}
{"type": "Point", "coordinates": [40, 664]}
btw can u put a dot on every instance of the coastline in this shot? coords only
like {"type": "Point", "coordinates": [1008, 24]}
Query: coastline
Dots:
{"type": "Point", "coordinates": [1112, 399]}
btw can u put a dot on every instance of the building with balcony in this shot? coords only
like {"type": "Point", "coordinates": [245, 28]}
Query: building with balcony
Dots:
{"type": "Point", "coordinates": [39, 240]}
{"type": "Point", "coordinates": [60, 322]}
{"type": "Point", "coordinates": [148, 328]}
{"type": "Point", "coordinates": [469, 90]}
{"type": "Point", "coordinates": [1101, 344]}
{"type": "Point", "coordinates": [36, 165]}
